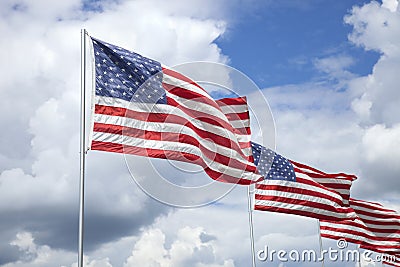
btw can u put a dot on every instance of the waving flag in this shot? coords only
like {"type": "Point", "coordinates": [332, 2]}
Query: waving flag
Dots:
{"type": "Point", "coordinates": [237, 112]}
{"type": "Point", "coordinates": [143, 108]}
{"type": "Point", "coordinates": [376, 227]}
{"type": "Point", "coordinates": [288, 188]}
{"type": "Point", "coordinates": [339, 182]}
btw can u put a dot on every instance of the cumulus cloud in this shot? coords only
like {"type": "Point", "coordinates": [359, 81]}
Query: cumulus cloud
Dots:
{"type": "Point", "coordinates": [354, 129]}
{"type": "Point", "coordinates": [39, 151]}
{"type": "Point", "coordinates": [375, 28]}
{"type": "Point", "coordinates": [376, 96]}
{"type": "Point", "coordinates": [357, 130]}
{"type": "Point", "coordinates": [188, 249]}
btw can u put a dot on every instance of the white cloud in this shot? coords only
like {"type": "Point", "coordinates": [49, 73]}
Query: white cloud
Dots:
{"type": "Point", "coordinates": [382, 144]}
{"type": "Point", "coordinates": [39, 152]}
{"type": "Point", "coordinates": [376, 96]}
{"type": "Point", "coordinates": [36, 255]}
{"type": "Point", "coordinates": [188, 249]}
{"type": "Point", "coordinates": [390, 4]}
{"type": "Point", "coordinates": [335, 66]}
{"type": "Point", "coordinates": [376, 28]}
{"type": "Point", "coordinates": [39, 149]}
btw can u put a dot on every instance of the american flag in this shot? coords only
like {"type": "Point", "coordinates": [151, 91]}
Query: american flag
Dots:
{"type": "Point", "coordinates": [376, 228]}
{"type": "Point", "coordinates": [237, 112]}
{"type": "Point", "coordinates": [292, 188]}
{"type": "Point", "coordinates": [144, 108]}
{"type": "Point", "coordinates": [339, 182]}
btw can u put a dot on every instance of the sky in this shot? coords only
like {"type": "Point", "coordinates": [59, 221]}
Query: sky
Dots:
{"type": "Point", "coordinates": [328, 70]}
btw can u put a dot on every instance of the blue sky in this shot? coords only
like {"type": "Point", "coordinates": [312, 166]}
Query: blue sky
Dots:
{"type": "Point", "coordinates": [276, 43]}
{"type": "Point", "coordinates": [328, 70]}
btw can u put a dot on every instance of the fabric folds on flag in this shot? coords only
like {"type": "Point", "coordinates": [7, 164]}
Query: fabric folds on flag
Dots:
{"type": "Point", "coordinates": [376, 228]}
{"type": "Point", "coordinates": [293, 189]}
{"type": "Point", "coordinates": [339, 182]}
{"type": "Point", "coordinates": [144, 108]}
{"type": "Point", "coordinates": [237, 112]}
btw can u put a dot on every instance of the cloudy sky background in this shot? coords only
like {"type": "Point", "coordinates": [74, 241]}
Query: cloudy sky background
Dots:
{"type": "Point", "coordinates": [329, 70]}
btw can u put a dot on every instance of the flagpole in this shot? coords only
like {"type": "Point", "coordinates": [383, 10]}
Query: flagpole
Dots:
{"type": "Point", "coordinates": [320, 243]}
{"type": "Point", "coordinates": [359, 253]}
{"type": "Point", "coordinates": [253, 254]}
{"type": "Point", "coordinates": [82, 147]}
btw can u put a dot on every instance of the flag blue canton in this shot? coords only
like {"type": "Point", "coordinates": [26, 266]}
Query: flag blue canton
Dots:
{"type": "Point", "coordinates": [126, 75]}
{"type": "Point", "coordinates": [272, 165]}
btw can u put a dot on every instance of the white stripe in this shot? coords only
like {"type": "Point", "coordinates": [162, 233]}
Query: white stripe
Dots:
{"type": "Point", "coordinates": [228, 109]}
{"type": "Point", "coordinates": [111, 101]}
{"type": "Point", "coordinates": [327, 191]}
{"type": "Point", "coordinates": [377, 211]}
{"type": "Point", "coordinates": [302, 208]}
{"type": "Point", "coordinates": [166, 109]}
{"type": "Point", "coordinates": [290, 184]}
{"type": "Point", "coordinates": [360, 229]}
{"type": "Point", "coordinates": [361, 238]}
{"type": "Point", "coordinates": [174, 146]}
{"type": "Point", "coordinates": [184, 85]}
{"type": "Point", "coordinates": [239, 124]}
{"type": "Point", "coordinates": [323, 180]}
{"type": "Point", "coordinates": [373, 218]}
{"type": "Point", "coordinates": [308, 198]}
{"type": "Point", "coordinates": [169, 128]}
{"type": "Point", "coordinates": [199, 106]}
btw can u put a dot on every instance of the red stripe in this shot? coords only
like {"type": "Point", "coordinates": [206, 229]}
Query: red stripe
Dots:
{"type": "Point", "coordinates": [156, 153]}
{"type": "Point", "coordinates": [371, 226]}
{"type": "Point", "coordinates": [377, 248]}
{"type": "Point", "coordinates": [181, 77]}
{"type": "Point", "coordinates": [367, 205]}
{"type": "Point", "coordinates": [232, 101]}
{"type": "Point", "coordinates": [395, 218]}
{"type": "Point", "coordinates": [301, 202]}
{"type": "Point", "coordinates": [237, 116]}
{"type": "Point", "coordinates": [189, 95]}
{"type": "Point", "coordinates": [345, 176]}
{"type": "Point", "coordinates": [337, 186]}
{"type": "Point", "coordinates": [363, 231]}
{"type": "Point", "coordinates": [297, 212]}
{"type": "Point", "coordinates": [170, 118]}
{"type": "Point", "coordinates": [173, 137]}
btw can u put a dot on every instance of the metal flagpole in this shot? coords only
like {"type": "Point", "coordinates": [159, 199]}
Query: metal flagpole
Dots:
{"type": "Point", "coordinates": [253, 254]}
{"type": "Point", "coordinates": [82, 147]}
{"type": "Point", "coordinates": [320, 244]}
{"type": "Point", "coordinates": [359, 257]}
